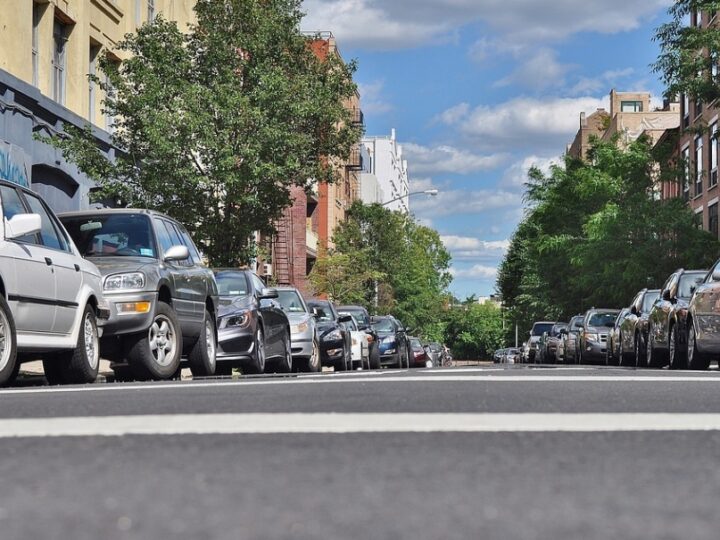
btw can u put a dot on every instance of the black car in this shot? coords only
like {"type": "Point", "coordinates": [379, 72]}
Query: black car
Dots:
{"type": "Point", "coordinates": [253, 329]}
{"type": "Point", "coordinates": [667, 329]}
{"type": "Point", "coordinates": [335, 338]}
{"type": "Point", "coordinates": [394, 342]}
{"type": "Point", "coordinates": [362, 318]}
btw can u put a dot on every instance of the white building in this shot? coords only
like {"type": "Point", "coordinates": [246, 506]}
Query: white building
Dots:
{"type": "Point", "coordinates": [387, 167]}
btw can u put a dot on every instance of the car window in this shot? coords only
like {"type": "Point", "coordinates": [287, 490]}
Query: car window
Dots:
{"type": "Point", "coordinates": [350, 325]}
{"type": "Point", "coordinates": [322, 310]}
{"type": "Point", "coordinates": [383, 325]}
{"type": "Point", "coordinates": [232, 283]}
{"type": "Point", "coordinates": [359, 315]}
{"type": "Point", "coordinates": [602, 319]}
{"type": "Point", "coordinates": [49, 233]}
{"type": "Point", "coordinates": [12, 205]}
{"type": "Point", "coordinates": [258, 283]}
{"type": "Point", "coordinates": [163, 235]}
{"type": "Point", "coordinates": [539, 329]}
{"type": "Point", "coordinates": [112, 235]}
{"type": "Point", "coordinates": [687, 285]}
{"type": "Point", "coordinates": [177, 241]}
{"type": "Point", "coordinates": [194, 254]}
{"type": "Point", "coordinates": [649, 300]}
{"type": "Point", "coordinates": [291, 301]}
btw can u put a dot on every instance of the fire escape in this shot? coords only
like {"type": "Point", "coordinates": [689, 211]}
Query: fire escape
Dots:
{"type": "Point", "coordinates": [283, 250]}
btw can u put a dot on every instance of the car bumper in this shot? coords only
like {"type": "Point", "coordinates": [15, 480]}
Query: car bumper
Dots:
{"type": "Point", "coordinates": [302, 345]}
{"type": "Point", "coordinates": [594, 351]}
{"type": "Point", "coordinates": [236, 343]}
{"type": "Point", "coordinates": [332, 350]}
{"type": "Point", "coordinates": [119, 323]}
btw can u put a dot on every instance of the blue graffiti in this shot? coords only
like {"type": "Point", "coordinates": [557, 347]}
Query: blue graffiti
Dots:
{"type": "Point", "coordinates": [11, 171]}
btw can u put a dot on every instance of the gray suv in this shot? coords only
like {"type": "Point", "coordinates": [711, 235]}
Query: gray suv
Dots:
{"type": "Point", "coordinates": [163, 300]}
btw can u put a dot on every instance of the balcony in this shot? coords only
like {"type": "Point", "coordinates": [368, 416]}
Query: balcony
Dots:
{"type": "Point", "coordinates": [355, 161]}
{"type": "Point", "coordinates": [358, 118]}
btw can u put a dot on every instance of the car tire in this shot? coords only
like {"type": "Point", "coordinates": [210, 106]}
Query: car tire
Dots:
{"type": "Point", "coordinates": [695, 359]}
{"type": "Point", "coordinates": [9, 363]}
{"type": "Point", "coordinates": [624, 357]}
{"type": "Point", "coordinates": [313, 364]}
{"type": "Point", "coordinates": [155, 354]}
{"type": "Point", "coordinates": [257, 366]}
{"type": "Point", "coordinates": [202, 357]}
{"type": "Point", "coordinates": [342, 363]}
{"type": "Point", "coordinates": [676, 356]}
{"type": "Point", "coordinates": [375, 358]}
{"type": "Point", "coordinates": [80, 365]}
{"type": "Point", "coordinates": [640, 358]}
{"type": "Point", "coordinates": [284, 364]}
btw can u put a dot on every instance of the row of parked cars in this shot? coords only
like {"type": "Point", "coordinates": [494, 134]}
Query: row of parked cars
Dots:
{"type": "Point", "coordinates": [130, 286]}
{"type": "Point", "coordinates": [677, 326]}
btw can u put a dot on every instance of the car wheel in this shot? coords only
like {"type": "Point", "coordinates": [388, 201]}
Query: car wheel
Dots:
{"type": "Point", "coordinates": [639, 356]}
{"type": "Point", "coordinates": [623, 357]}
{"type": "Point", "coordinates": [649, 353]}
{"type": "Point", "coordinates": [285, 363]}
{"type": "Point", "coordinates": [9, 364]}
{"type": "Point", "coordinates": [202, 357]}
{"type": "Point", "coordinates": [257, 366]}
{"type": "Point", "coordinates": [80, 365]}
{"type": "Point", "coordinates": [676, 357]}
{"type": "Point", "coordinates": [312, 364]}
{"type": "Point", "coordinates": [341, 364]}
{"type": "Point", "coordinates": [375, 358]}
{"type": "Point", "coordinates": [155, 354]}
{"type": "Point", "coordinates": [695, 359]}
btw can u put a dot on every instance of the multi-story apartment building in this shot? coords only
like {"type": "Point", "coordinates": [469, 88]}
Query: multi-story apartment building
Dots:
{"type": "Point", "coordinates": [370, 190]}
{"type": "Point", "coordinates": [308, 226]}
{"type": "Point", "coordinates": [390, 169]}
{"type": "Point", "coordinates": [630, 116]}
{"type": "Point", "coordinates": [47, 50]}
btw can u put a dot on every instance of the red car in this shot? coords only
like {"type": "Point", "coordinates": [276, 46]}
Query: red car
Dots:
{"type": "Point", "coordinates": [419, 356]}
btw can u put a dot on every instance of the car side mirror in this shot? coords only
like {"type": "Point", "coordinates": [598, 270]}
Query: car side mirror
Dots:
{"type": "Point", "coordinates": [21, 225]}
{"type": "Point", "coordinates": [634, 311]}
{"type": "Point", "coordinates": [268, 293]}
{"type": "Point", "coordinates": [345, 318]}
{"type": "Point", "coordinates": [177, 253]}
{"type": "Point", "coordinates": [666, 295]}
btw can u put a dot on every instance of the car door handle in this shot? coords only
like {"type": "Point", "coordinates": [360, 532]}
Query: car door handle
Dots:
{"type": "Point", "coordinates": [77, 267]}
{"type": "Point", "coordinates": [48, 261]}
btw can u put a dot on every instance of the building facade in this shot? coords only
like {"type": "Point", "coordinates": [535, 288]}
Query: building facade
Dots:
{"type": "Point", "coordinates": [47, 50]}
{"type": "Point", "coordinates": [390, 169]}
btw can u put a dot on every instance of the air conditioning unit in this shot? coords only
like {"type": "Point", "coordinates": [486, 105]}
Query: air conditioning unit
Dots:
{"type": "Point", "coordinates": [267, 269]}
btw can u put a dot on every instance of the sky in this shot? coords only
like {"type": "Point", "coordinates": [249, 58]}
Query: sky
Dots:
{"type": "Point", "coordinates": [481, 90]}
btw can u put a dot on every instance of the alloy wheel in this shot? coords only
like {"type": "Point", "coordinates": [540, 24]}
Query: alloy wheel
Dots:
{"type": "Point", "coordinates": [162, 340]}
{"type": "Point", "coordinates": [92, 349]}
{"type": "Point", "coordinates": [5, 340]}
{"type": "Point", "coordinates": [691, 346]}
{"type": "Point", "coordinates": [260, 343]}
{"type": "Point", "coordinates": [672, 350]}
{"type": "Point", "coordinates": [210, 344]}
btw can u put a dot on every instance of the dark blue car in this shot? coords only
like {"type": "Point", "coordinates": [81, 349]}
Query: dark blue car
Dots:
{"type": "Point", "coordinates": [394, 341]}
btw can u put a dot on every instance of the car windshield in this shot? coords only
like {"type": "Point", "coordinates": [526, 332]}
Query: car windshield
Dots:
{"type": "Point", "coordinates": [557, 329]}
{"type": "Point", "coordinates": [383, 325]}
{"type": "Point", "coordinates": [232, 283]}
{"type": "Point", "coordinates": [540, 328]}
{"type": "Point", "coordinates": [649, 300]}
{"type": "Point", "coordinates": [322, 310]}
{"type": "Point", "coordinates": [290, 301]}
{"type": "Point", "coordinates": [112, 235]}
{"type": "Point", "coordinates": [416, 344]}
{"type": "Point", "coordinates": [603, 319]}
{"type": "Point", "coordinates": [358, 314]}
{"type": "Point", "coordinates": [687, 284]}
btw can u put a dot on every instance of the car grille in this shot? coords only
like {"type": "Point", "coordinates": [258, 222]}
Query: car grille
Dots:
{"type": "Point", "coordinates": [603, 338]}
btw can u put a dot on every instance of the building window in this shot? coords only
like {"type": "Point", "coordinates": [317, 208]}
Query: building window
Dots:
{"type": "Point", "coordinates": [151, 10]}
{"type": "Point", "coordinates": [138, 20]}
{"type": "Point", "coordinates": [686, 173]}
{"type": "Point", "coordinates": [94, 52]}
{"type": "Point", "coordinates": [698, 165]}
{"type": "Point", "coordinates": [713, 155]}
{"type": "Point", "coordinates": [37, 15]}
{"type": "Point", "coordinates": [686, 110]}
{"type": "Point", "coordinates": [59, 61]}
{"type": "Point", "coordinates": [696, 18]}
{"type": "Point", "coordinates": [698, 107]}
{"type": "Point", "coordinates": [713, 219]}
{"type": "Point", "coordinates": [631, 106]}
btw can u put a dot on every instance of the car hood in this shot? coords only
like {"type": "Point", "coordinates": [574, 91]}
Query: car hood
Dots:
{"type": "Point", "coordinates": [232, 304]}
{"type": "Point", "coordinates": [118, 265]}
{"type": "Point", "coordinates": [598, 329]}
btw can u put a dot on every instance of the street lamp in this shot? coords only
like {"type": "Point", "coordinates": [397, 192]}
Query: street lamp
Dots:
{"type": "Point", "coordinates": [431, 192]}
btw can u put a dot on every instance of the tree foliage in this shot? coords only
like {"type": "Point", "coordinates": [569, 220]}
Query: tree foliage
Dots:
{"type": "Point", "coordinates": [215, 125]}
{"type": "Point", "coordinates": [343, 277]}
{"type": "Point", "coordinates": [596, 233]}
{"type": "Point", "coordinates": [474, 331]}
{"type": "Point", "coordinates": [409, 260]}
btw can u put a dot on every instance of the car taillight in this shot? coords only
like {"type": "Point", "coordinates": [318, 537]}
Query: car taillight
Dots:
{"type": "Point", "coordinates": [418, 354]}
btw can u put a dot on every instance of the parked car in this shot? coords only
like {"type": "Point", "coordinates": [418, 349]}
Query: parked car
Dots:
{"type": "Point", "coordinates": [667, 328]}
{"type": "Point", "coordinates": [363, 320]}
{"type": "Point", "coordinates": [254, 329]}
{"type": "Point", "coordinates": [303, 330]}
{"type": "Point", "coordinates": [335, 338]}
{"type": "Point", "coordinates": [52, 300]}
{"type": "Point", "coordinates": [538, 329]}
{"type": "Point", "coordinates": [703, 324]}
{"type": "Point", "coordinates": [419, 356]}
{"type": "Point", "coordinates": [435, 353]}
{"type": "Point", "coordinates": [633, 330]}
{"type": "Point", "coordinates": [163, 300]}
{"type": "Point", "coordinates": [571, 340]}
{"type": "Point", "coordinates": [525, 353]}
{"type": "Point", "coordinates": [548, 344]}
{"type": "Point", "coordinates": [498, 356]}
{"type": "Point", "coordinates": [394, 343]}
{"type": "Point", "coordinates": [612, 357]}
{"type": "Point", "coordinates": [594, 336]}
{"type": "Point", "coordinates": [512, 356]}
{"type": "Point", "coordinates": [360, 344]}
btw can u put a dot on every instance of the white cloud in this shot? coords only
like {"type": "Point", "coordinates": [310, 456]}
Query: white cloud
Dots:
{"type": "Point", "coordinates": [516, 176]}
{"type": "Point", "coordinates": [383, 24]}
{"type": "Point", "coordinates": [602, 83]}
{"type": "Point", "coordinates": [454, 114]}
{"type": "Point", "coordinates": [539, 70]}
{"type": "Point", "coordinates": [447, 159]}
{"type": "Point", "coordinates": [462, 243]}
{"type": "Point", "coordinates": [462, 202]}
{"type": "Point", "coordinates": [477, 271]}
{"type": "Point", "coordinates": [372, 100]}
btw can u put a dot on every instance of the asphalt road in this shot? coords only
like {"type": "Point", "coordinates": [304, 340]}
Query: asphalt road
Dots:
{"type": "Point", "coordinates": [487, 453]}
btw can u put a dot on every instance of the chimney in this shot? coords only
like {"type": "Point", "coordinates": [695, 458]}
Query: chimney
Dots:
{"type": "Point", "coordinates": [583, 120]}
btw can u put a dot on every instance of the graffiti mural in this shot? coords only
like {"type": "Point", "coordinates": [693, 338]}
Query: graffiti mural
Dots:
{"type": "Point", "coordinates": [14, 164]}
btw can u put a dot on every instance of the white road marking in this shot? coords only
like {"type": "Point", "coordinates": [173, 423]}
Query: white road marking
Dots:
{"type": "Point", "coordinates": [201, 424]}
{"type": "Point", "coordinates": [355, 379]}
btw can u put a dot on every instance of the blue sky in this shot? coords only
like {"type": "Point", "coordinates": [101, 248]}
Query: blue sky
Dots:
{"type": "Point", "coordinates": [480, 90]}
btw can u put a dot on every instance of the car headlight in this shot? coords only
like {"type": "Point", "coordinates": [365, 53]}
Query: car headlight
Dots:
{"type": "Point", "coordinates": [591, 337]}
{"type": "Point", "coordinates": [333, 336]}
{"type": "Point", "coordinates": [124, 282]}
{"type": "Point", "coordinates": [299, 328]}
{"type": "Point", "coordinates": [236, 320]}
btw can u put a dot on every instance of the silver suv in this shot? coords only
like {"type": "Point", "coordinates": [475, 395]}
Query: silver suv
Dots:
{"type": "Point", "coordinates": [163, 299]}
{"type": "Point", "coordinates": [50, 297]}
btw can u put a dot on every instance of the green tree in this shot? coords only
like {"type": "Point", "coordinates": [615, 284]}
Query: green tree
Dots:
{"type": "Point", "coordinates": [343, 277]}
{"type": "Point", "coordinates": [474, 331]}
{"type": "Point", "coordinates": [216, 125]}
{"type": "Point", "coordinates": [595, 234]}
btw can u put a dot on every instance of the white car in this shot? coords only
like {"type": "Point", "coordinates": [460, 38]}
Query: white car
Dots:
{"type": "Point", "coordinates": [51, 298]}
{"type": "Point", "coordinates": [360, 350]}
